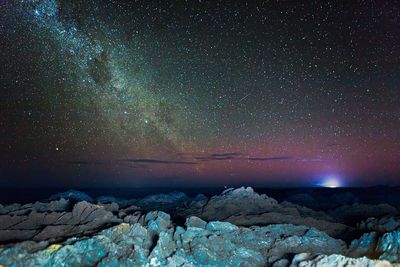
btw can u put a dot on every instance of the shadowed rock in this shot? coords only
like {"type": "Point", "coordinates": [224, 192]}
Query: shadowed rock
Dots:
{"type": "Point", "coordinates": [375, 245]}
{"type": "Point", "coordinates": [17, 209]}
{"type": "Point", "coordinates": [245, 207]}
{"type": "Point", "coordinates": [53, 225]}
{"type": "Point", "coordinates": [382, 225]}
{"type": "Point", "coordinates": [351, 214]}
{"type": "Point", "coordinates": [389, 247]}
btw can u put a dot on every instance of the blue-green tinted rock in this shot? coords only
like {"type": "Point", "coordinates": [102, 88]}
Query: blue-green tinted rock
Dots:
{"type": "Point", "coordinates": [159, 243]}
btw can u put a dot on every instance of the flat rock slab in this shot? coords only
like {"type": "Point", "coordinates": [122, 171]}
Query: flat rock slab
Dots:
{"type": "Point", "coordinates": [54, 225]}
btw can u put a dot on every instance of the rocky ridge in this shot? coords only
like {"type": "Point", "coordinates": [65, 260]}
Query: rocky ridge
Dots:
{"type": "Point", "coordinates": [159, 243]}
{"type": "Point", "coordinates": [259, 230]}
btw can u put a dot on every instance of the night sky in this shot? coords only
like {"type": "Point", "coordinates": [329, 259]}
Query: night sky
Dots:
{"type": "Point", "coordinates": [190, 93]}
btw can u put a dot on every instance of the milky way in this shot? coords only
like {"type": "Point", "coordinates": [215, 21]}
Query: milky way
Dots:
{"type": "Point", "coordinates": [199, 92]}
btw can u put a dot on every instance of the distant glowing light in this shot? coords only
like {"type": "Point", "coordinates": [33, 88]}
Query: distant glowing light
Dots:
{"type": "Point", "coordinates": [331, 181]}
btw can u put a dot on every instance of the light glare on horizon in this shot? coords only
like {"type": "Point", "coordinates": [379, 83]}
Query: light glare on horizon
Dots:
{"type": "Point", "coordinates": [331, 181]}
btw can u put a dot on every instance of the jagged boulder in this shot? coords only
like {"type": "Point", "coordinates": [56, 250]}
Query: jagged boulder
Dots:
{"type": "Point", "coordinates": [389, 247]}
{"type": "Point", "coordinates": [364, 246]}
{"type": "Point", "coordinates": [375, 245]}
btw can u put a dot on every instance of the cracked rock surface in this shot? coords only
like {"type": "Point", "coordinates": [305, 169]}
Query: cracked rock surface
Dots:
{"type": "Point", "coordinates": [159, 243]}
{"type": "Point", "coordinates": [50, 223]}
{"type": "Point", "coordinates": [245, 207]}
{"type": "Point", "coordinates": [238, 227]}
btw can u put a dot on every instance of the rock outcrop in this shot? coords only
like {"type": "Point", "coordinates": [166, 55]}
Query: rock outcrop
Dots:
{"type": "Point", "coordinates": [51, 224]}
{"type": "Point", "coordinates": [159, 243]}
{"type": "Point", "coordinates": [375, 245]}
{"type": "Point", "coordinates": [239, 227]}
{"type": "Point", "coordinates": [389, 247]}
{"type": "Point", "coordinates": [245, 207]}
{"type": "Point", "coordinates": [52, 206]}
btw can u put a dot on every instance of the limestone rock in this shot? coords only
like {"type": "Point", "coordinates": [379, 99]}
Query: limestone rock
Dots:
{"type": "Point", "coordinates": [389, 247]}
{"type": "Point", "coordinates": [193, 221]}
{"type": "Point", "coordinates": [245, 207]}
{"type": "Point", "coordinates": [159, 243]}
{"type": "Point", "coordinates": [384, 247]}
{"type": "Point", "coordinates": [84, 218]}
{"type": "Point", "coordinates": [309, 260]}
{"type": "Point", "coordinates": [17, 209]}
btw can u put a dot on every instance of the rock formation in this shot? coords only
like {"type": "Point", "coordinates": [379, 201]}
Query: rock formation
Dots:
{"type": "Point", "coordinates": [239, 227]}
{"type": "Point", "coordinates": [49, 223]}
{"type": "Point", "coordinates": [159, 243]}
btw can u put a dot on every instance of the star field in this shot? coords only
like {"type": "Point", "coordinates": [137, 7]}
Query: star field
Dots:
{"type": "Point", "coordinates": [199, 92]}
